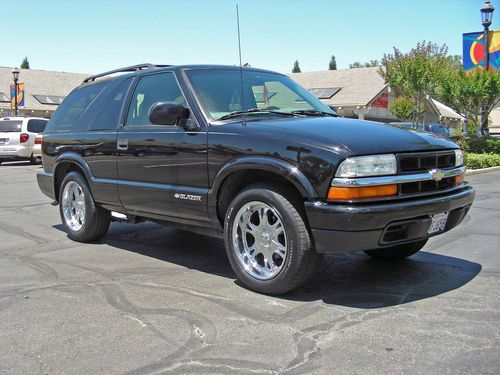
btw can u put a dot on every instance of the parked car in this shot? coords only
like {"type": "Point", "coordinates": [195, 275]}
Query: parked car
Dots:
{"type": "Point", "coordinates": [280, 177]}
{"type": "Point", "coordinates": [17, 137]}
{"type": "Point", "coordinates": [438, 129]}
{"type": "Point", "coordinates": [404, 125]}
{"type": "Point", "coordinates": [37, 148]}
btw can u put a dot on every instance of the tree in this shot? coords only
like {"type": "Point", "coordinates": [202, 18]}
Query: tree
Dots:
{"type": "Point", "coordinates": [402, 108]}
{"type": "Point", "coordinates": [25, 64]}
{"type": "Point", "coordinates": [370, 64]}
{"type": "Point", "coordinates": [333, 64]}
{"type": "Point", "coordinates": [416, 73]}
{"type": "Point", "coordinates": [296, 67]}
{"type": "Point", "coordinates": [470, 93]}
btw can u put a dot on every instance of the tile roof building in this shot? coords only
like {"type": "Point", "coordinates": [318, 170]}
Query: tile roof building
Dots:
{"type": "Point", "coordinates": [362, 93]}
{"type": "Point", "coordinates": [43, 90]}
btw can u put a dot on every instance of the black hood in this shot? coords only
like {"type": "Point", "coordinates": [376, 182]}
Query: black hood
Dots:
{"type": "Point", "coordinates": [357, 137]}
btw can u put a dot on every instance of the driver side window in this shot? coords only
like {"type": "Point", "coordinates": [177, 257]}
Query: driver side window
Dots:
{"type": "Point", "coordinates": [150, 90]}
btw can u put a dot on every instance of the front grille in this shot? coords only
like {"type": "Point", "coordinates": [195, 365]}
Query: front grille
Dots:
{"type": "Point", "coordinates": [408, 163]}
{"type": "Point", "coordinates": [427, 186]}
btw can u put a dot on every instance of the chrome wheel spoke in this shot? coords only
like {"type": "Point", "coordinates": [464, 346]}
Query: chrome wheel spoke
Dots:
{"type": "Point", "coordinates": [73, 206]}
{"type": "Point", "coordinates": [259, 240]}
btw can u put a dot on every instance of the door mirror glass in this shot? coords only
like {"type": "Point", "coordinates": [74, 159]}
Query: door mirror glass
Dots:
{"type": "Point", "coordinates": [168, 113]}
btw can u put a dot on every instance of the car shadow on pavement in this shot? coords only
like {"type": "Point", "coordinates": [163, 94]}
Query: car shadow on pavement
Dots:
{"type": "Point", "coordinates": [351, 279]}
{"type": "Point", "coordinates": [355, 280]}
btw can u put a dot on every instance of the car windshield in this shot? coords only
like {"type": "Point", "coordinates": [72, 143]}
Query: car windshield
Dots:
{"type": "Point", "coordinates": [10, 126]}
{"type": "Point", "coordinates": [224, 94]}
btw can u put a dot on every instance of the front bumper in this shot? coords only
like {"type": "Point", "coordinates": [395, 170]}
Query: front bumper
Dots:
{"type": "Point", "coordinates": [346, 228]}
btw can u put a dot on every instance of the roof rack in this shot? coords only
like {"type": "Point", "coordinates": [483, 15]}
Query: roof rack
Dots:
{"type": "Point", "coordinates": [132, 68]}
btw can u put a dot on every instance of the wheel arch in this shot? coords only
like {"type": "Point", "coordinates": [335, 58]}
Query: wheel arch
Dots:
{"type": "Point", "coordinates": [239, 173]}
{"type": "Point", "coordinates": [67, 163]}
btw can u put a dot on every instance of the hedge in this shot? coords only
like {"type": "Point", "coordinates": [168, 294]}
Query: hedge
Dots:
{"type": "Point", "coordinates": [477, 161]}
{"type": "Point", "coordinates": [478, 145]}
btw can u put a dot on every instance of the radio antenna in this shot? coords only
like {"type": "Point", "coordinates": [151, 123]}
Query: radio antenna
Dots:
{"type": "Point", "coordinates": [241, 66]}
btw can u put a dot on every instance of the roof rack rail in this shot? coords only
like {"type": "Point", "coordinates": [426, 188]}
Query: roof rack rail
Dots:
{"type": "Point", "coordinates": [132, 68]}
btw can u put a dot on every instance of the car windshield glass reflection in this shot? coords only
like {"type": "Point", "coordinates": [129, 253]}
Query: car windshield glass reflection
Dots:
{"type": "Point", "coordinates": [224, 94]}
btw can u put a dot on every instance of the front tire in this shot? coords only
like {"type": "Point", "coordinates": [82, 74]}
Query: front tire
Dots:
{"type": "Point", "coordinates": [267, 241]}
{"type": "Point", "coordinates": [83, 220]}
{"type": "Point", "coordinates": [397, 252]}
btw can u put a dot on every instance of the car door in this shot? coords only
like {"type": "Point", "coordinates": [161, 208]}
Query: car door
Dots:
{"type": "Point", "coordinates": [162, 169]}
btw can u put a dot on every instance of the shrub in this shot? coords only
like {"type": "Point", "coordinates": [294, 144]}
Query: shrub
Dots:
{"type": "Point", "coordinates": [478, 145]}
{"type": "Point", "coordinates": [477, 161]}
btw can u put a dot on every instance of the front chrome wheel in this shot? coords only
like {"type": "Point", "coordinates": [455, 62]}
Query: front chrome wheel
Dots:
{"type": "Point", "coordinates": [73, 206]}
{"type": "Point", "coordinates": [259, 240]}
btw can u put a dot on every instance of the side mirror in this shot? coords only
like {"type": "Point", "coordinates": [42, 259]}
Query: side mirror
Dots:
{"type": "Point", "coordinates": [168, 113]}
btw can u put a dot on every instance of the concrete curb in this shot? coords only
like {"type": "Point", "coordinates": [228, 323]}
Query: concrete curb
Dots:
{"type": "Point", "coordinates": [483, 170]}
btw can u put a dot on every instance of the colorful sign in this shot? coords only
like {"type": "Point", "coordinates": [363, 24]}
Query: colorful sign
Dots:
{"type": "Point", "coordinates": [473, 50]}
{"type": "Point", "coordinates": [382, 101]}
{"type": "Point", "coordinates": [20, 96]}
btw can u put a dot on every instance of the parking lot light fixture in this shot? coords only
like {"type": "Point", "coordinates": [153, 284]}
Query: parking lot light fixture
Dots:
{"type": "Point", "coordinates": [15, 75]}
{"type": "Point", "coordinates": [486, 17]}
{"type": "Point", "coordinates": [487, 13]}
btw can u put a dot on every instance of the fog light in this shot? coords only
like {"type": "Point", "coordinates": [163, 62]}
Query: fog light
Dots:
{"type": "Point", "coordinates": [348, 193]}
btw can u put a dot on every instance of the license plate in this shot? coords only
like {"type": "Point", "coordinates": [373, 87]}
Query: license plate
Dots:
{"type": "Point", "coordinates": [438, 222]}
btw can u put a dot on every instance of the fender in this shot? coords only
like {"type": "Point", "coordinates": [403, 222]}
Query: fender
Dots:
{"type": "Point", "coordinates": [280, 167]}
{"type": "Point", "coordinates": [73, 158]}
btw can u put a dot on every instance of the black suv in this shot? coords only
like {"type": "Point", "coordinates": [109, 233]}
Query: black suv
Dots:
{"type": "Point", "coordinates": [250, 155]}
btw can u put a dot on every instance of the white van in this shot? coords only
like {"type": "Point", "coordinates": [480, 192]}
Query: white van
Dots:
{"type": "Point", "coordinates": [17, 137]}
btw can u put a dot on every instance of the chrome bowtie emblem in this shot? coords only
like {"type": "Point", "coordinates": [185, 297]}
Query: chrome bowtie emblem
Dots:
{"type": "Point", "coordinates": [437, 174]}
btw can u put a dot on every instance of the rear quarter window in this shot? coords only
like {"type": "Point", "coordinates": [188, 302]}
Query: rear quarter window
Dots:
{"type": "Point", "coordinates": [36, 126]}
{"type": "Point", "coordinates": [68, 113]}
{"type": "Point", "coordinates": [109, 116]}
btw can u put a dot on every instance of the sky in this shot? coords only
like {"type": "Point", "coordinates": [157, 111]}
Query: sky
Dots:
{"type": "Point", "coordinates": [93, 36]}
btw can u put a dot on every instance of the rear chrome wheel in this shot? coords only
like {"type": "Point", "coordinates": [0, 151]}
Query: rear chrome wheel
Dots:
{"type": "Point", "coordinates": [73, 206]}
{"type": "Point", "coordinates": [83, 219]}
{"type": "Point", "coordinates": [259, 240]}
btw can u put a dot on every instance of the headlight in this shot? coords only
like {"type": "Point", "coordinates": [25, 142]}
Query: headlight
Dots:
{"type": "Point", "coordinates": [459, 158]}
{"type": "Point", "coordinates": [363, 166]}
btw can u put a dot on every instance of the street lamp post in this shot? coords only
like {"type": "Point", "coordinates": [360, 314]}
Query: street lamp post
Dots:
{"type": "Point", "coordinates": [486, 17]}
{"type": "Point", "coordinates": [15, 74]}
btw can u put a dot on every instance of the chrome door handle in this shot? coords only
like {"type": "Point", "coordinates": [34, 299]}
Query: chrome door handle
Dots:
{"type": "Point", "coordinates": [122, 144]}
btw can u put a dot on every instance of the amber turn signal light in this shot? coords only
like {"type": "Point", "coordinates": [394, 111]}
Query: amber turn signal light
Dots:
{"type": "Point", "coordinates": [459, 179]}
{"type": "Point", "coordinates": [348, 193]}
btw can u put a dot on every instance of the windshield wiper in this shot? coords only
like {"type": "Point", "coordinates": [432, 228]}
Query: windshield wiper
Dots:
{"type": "Point", "coordinates": [254, 110]}
{"type": "Point", "coordinates": [313, 112]}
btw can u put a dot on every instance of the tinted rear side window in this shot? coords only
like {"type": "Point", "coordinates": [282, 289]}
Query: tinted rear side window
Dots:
{"type": "Point", "coordinates": [66, 116]}
{"type": "Point", "coordinates": [109, 115]}
{"type": "Point", "coordinates": [10, 126]}
{"type": "Point", "coordinates": [36, 126]}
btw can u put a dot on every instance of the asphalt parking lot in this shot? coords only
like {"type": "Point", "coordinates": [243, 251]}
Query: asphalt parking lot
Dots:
{"type": "Point", "coordinates": [148, 299]}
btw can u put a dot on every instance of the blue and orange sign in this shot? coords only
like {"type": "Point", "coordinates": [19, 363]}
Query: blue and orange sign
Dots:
{"type": "Point", "coordinates": [20, 96]}
{"type": "Point", "coordinates": [473, 52]}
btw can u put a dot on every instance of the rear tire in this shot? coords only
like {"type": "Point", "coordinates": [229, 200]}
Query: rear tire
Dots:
{"type": "Point", "coordinates": [33, 160]}
{"type": "Point", "coordinates": [397, 252]}
{"type": "Point", "coordinates": [83, 220]}
{"type": "Point", "coordinates": [267, 241]}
